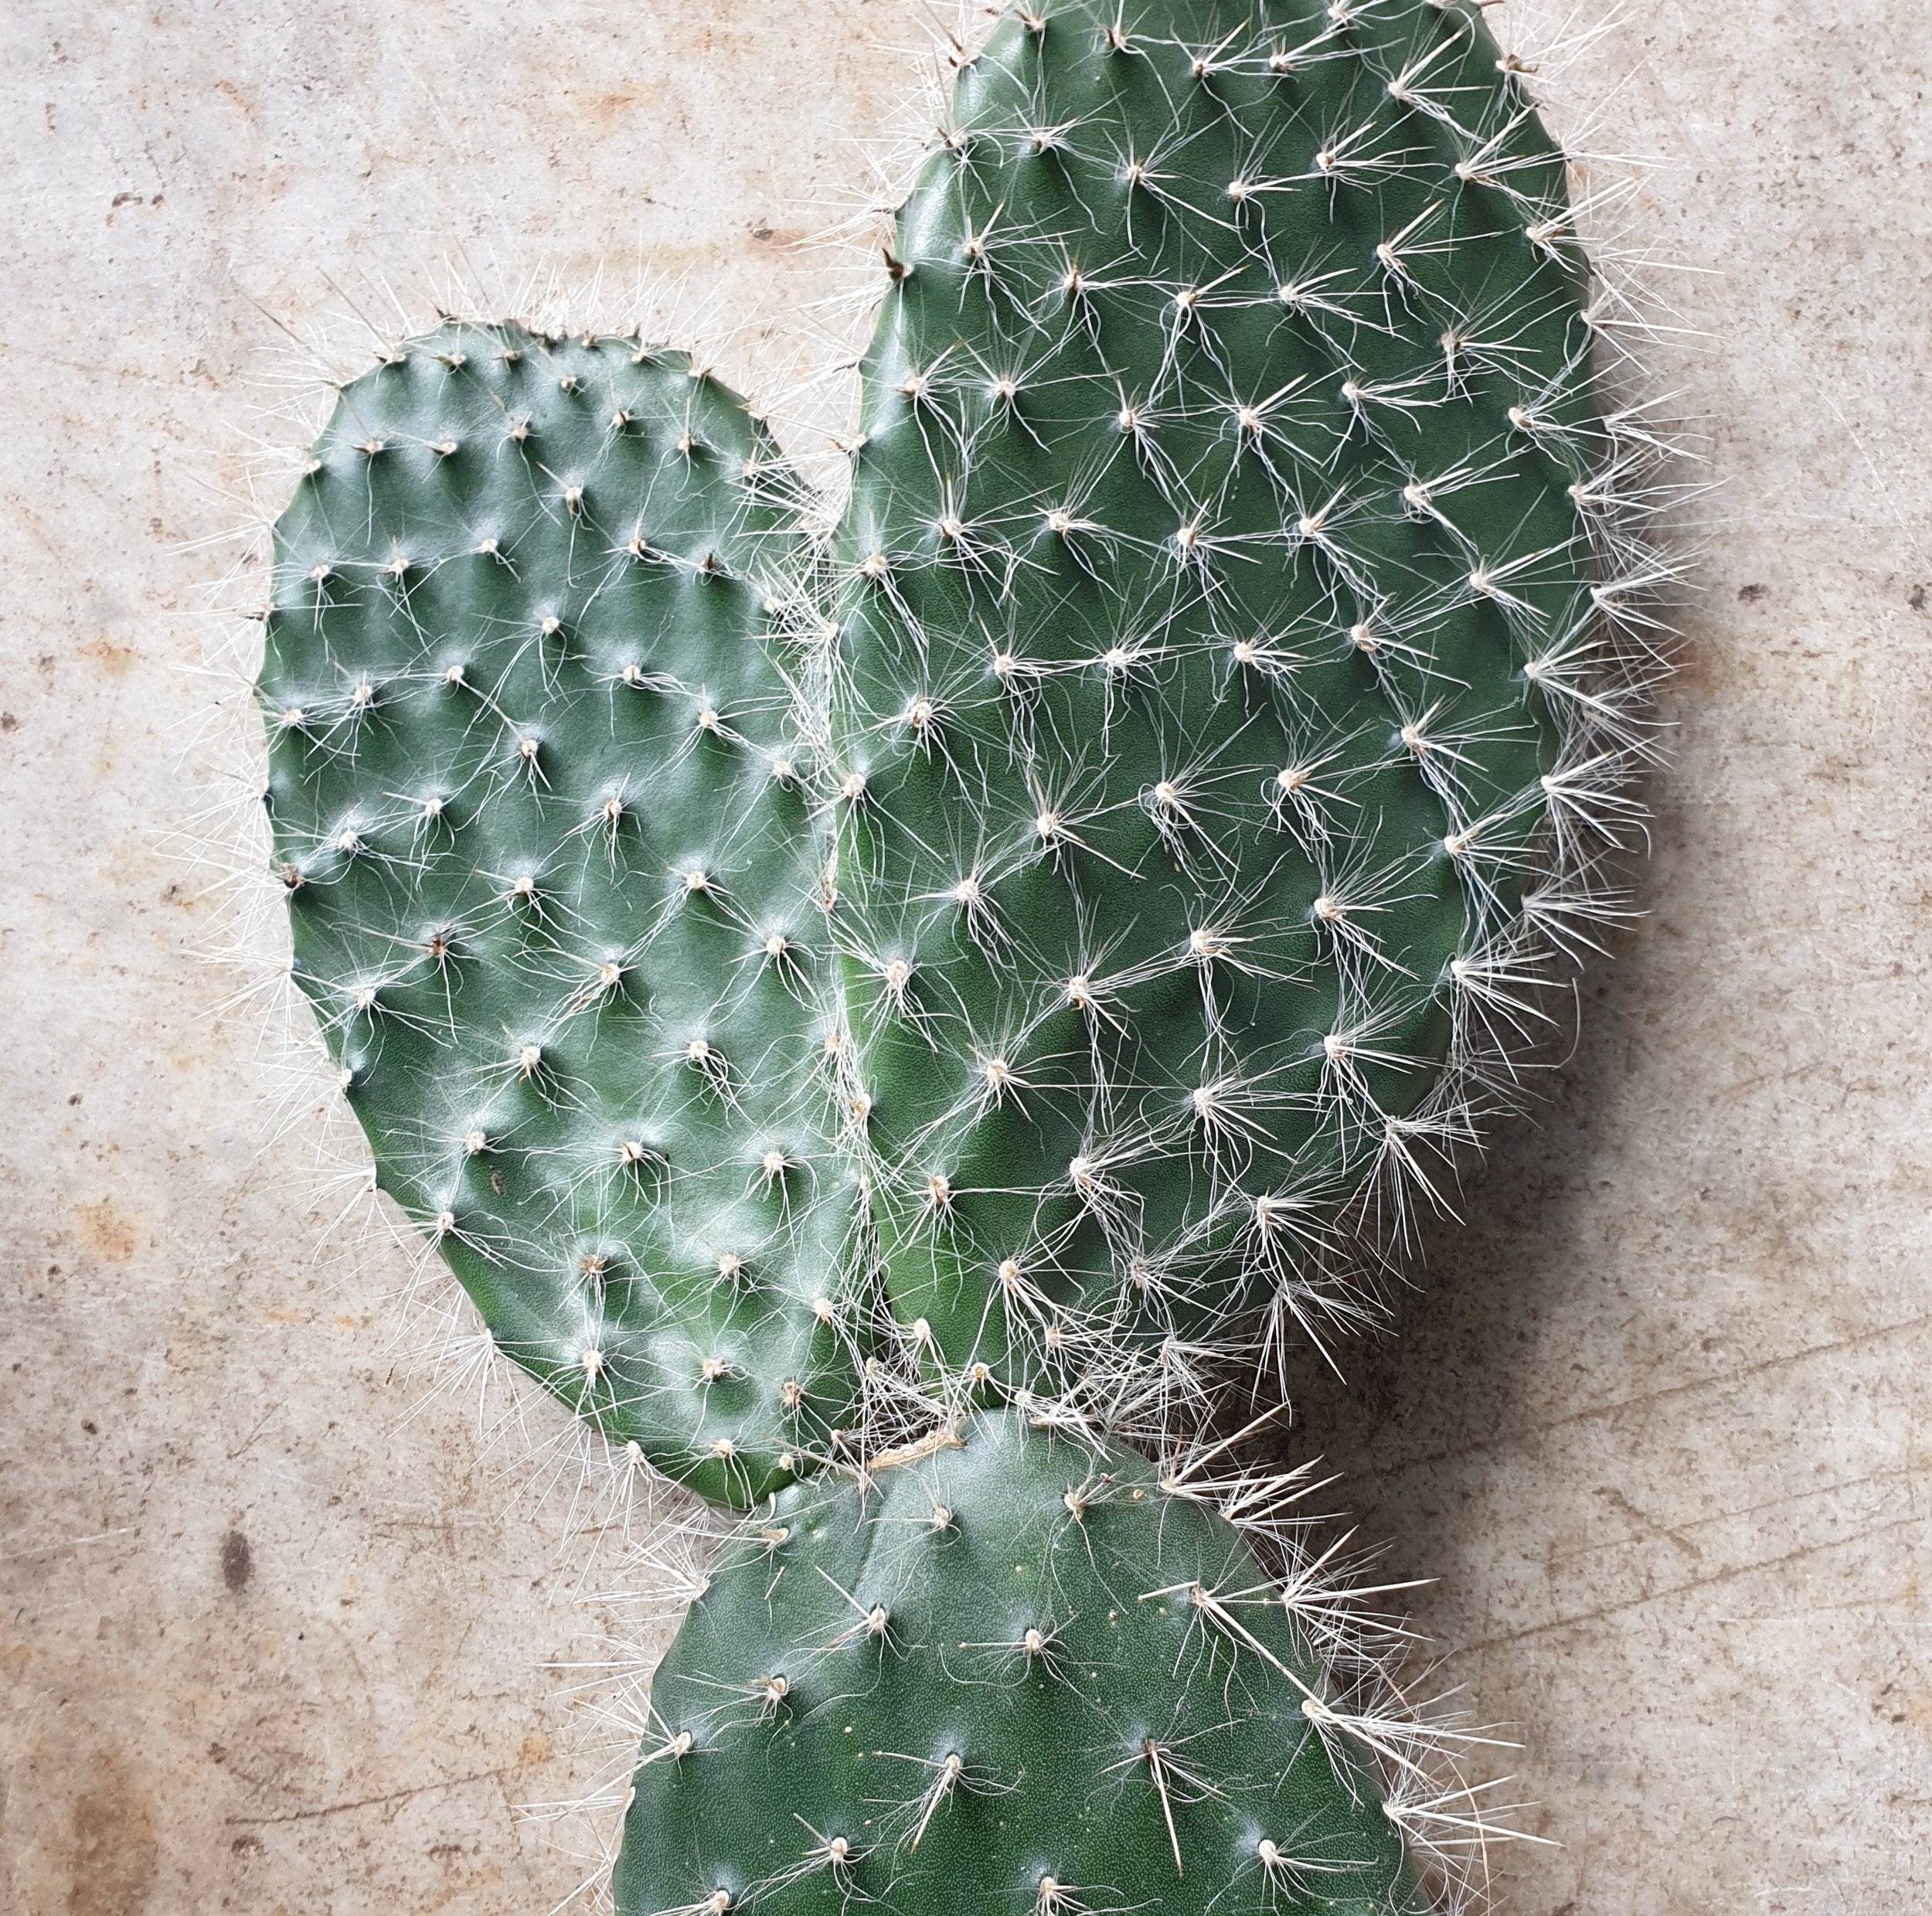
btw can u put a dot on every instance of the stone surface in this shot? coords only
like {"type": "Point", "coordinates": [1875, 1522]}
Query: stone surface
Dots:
{"type": "Point", "coordinates": [273, 1626]}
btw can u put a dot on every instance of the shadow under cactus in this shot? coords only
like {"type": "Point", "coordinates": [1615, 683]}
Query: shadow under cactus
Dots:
{"type": "Point", "coordinates": [1443, 1377]}
{"type": "Point", "coordinates": [1461, 1375]}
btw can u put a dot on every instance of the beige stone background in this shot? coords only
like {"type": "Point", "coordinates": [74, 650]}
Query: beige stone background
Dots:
{"type": "Point", "coordinates": [270, 1643]}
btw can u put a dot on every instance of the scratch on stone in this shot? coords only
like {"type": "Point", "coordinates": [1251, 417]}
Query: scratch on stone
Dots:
{"type": "Point", "coordinates": [371, 1802]}
{"type": "Point", "coordinates": [1685, 1589]}
{"type": "Point", "coordinates": [67, 1544]}
{"type": "Point", "coordinates": [1594, 1413]}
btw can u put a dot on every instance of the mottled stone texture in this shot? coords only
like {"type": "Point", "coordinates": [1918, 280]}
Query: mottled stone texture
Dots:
{"type": "Point", "coordinates": [264, 1647]}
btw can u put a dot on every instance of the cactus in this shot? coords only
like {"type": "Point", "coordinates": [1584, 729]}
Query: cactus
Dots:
{"type": "Point", "coordinates": [1012, 1672]}
{"type": "Point", "coordinates": [539, 802]}
{"type": "Point", "coordinates": [1209, 706]}
{"type": "Point", "coordinates": [1222, 658]}
{"type": "Point", "coordinates": [1032, 935]}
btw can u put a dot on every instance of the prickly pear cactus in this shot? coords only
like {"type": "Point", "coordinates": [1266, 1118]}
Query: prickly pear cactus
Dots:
{"type": "Point", "coordinates": [1213, 598]}
{"type": "Point", "coordinates": [539, 793]}
{"type": "Point", "coordinates": [1028, 933]}
{"type": "Point", "coordinates": [1048, 935]}
{"type": "Point", "coordinates": [1014, 1674]}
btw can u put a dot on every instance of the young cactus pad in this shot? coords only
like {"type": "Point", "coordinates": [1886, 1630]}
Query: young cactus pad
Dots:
{"type": "Point", "coordinates": [1009, 1673]}
{"type": "Point", "coordinates": [1045, 929]}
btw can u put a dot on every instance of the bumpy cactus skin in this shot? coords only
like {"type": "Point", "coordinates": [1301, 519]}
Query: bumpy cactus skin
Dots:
{"type": "Point", "coordinates": [536, 788]}
{"type": "Point", "coordinates": [1213, 589]}
{"type": "Point", "coordinates": [1013, 1675]}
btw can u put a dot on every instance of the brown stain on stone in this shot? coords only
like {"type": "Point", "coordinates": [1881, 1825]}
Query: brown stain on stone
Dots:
{"type": "Point", "coordinates": [115, 1860]}
{"type": "Point", "coordinates": [107, 1230]}
{"type": "Point", "coordinates": [115, 660]}
{"type": "Point", "coordinates": [606, 110]}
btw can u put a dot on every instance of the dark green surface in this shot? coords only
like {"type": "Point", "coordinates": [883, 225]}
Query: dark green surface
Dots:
{"type": "Point", "coordinates": [524, 639]}
{"type": "Point", "coordinates": [897, 1622]}
{"type": "Point", "coordinates": [1106, 230]}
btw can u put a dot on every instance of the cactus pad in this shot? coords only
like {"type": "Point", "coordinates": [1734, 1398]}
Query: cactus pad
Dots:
{"type": "Point", "coordinates": [1012, 1675]}
{"type": "Point", "coordinates": [538, 794]}
{"type": "Point", "coordinates": [1217, 597]}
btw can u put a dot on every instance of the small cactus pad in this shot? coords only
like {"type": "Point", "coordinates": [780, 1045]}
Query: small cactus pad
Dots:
{"type": "Point", "coordinates": [1217, 635]}
{"type": "Point", "coordinates": [537, 796]}
{"type": "Point", "coordinates": [1010, 1676]}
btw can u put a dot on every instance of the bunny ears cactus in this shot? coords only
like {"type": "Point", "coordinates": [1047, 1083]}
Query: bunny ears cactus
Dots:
{"type": "Point", "coordinates": [1035, 932]}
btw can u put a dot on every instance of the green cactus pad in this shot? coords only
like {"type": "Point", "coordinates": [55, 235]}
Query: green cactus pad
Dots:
{"type": "Point", "coordinates": [1009, 1675]}
{"type": "Point", "coordinates": [1216, 609]}
{"type": "Point", "coordinates": [539, 797]}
